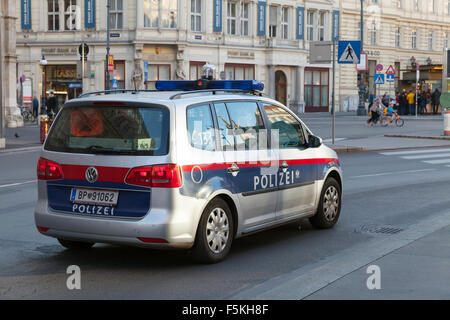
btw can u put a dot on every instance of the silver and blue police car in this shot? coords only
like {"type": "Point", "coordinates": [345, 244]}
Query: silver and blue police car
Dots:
{"type": "Point", "coordinates": [195, 164]}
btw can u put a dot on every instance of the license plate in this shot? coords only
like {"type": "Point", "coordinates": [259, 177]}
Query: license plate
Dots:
{"type": "Point", "coordinates": [89, 196]}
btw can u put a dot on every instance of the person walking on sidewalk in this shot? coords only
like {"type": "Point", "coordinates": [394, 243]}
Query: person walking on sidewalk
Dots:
{"type": "Point", "coordinates": [436, 100]}
{"type": "Point", "coordinates": [52, 103]}
{"type": "Point", "coordinates": [403, 103]}
{"type": "Point", "coordinates": [411, 98]}
{"type": "Point", "coordinates": [35, 107]}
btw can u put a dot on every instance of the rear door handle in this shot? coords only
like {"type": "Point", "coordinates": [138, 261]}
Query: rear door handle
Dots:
{"type": "Point", "coordinates": [234, 169]}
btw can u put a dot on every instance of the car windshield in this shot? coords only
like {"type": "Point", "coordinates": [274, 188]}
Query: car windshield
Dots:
{"type": "Point", "coordinates": [111, 130]}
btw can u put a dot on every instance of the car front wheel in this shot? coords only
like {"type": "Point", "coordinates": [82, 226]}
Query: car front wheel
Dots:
{"type": "Point", "coordinates": [329, 205]}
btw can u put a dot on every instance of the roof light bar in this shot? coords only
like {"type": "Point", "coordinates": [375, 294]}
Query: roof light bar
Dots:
{"type": "Point", "coordinates": [184, 85]}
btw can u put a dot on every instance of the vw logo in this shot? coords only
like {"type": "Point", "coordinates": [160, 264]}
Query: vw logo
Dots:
{"type": "Point", "coordinates": [91, 174]}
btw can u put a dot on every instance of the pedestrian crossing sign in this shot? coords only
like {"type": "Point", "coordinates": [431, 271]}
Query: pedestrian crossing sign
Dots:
{"type": "Point", "coordinates": [379, 78]}
{"type": "Point", "coordinates": [115, 83]}
{"type": "Point", "coordinates": [349, 52]}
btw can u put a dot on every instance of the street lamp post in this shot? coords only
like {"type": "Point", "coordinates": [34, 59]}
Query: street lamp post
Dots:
{"type": "Point", "coordinates": [43, 63]}
{"type": "Point", "coordinates": [361, 106]}
{"type": "Point", "coordinates": [108, 27]}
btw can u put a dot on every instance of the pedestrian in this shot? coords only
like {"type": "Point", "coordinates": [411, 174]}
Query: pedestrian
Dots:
{"type": "Point", "coordinates": [52, 103]}
{"type": "Point", "coordinates": [403, 103]}
{"type": "Point", "coordinates": [385, 99]}
{"type": "Point", "coordinates": [421, 102]}
{"type": "Point", "coordinates": [411, 102]}
{"type": "Point", "coordinates": [375, 112]}
{"type": "Point", "coordinates": [436, 100]}
{"type": "Point", "coordinates": [35, 107]}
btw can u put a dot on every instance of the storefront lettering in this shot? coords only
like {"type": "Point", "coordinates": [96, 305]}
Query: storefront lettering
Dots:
{"type": "Point", "coordinates": [59, 51]}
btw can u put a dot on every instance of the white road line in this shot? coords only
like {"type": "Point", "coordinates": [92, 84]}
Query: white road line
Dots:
{"type": "Point", "coordinates": [335, 139]}
{"type": "Point", "coordinates": [395, 153]}
{"type": "Point", "coordinates": [390, 173]}
{"type": "Point", "coordinates": [437, 161]}
{"type": "Point", "coordinates": [17, 184]}
{"type": "Point", "coordinates": [425, 156]}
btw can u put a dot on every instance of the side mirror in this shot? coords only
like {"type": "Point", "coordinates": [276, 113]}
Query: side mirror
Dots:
{"type": "Point", "coordinates": [314, 142]}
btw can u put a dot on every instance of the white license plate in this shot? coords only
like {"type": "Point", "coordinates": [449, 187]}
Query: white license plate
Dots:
{"type": "Point", "coordinates": [89, 196]}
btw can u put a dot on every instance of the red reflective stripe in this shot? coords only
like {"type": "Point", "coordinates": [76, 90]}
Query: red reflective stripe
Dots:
{"type": "Point", "coordinates": [107, 174]}
{"type": "Point", "coordinates": [152, 240]}
{"type": "Point", "coordinates": [217, 166]}
{"type": "Point", "coordinates": [42, 229]}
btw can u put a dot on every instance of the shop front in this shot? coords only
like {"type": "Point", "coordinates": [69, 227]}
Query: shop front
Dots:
{"type": "Point", "coordinates": [62, 80]}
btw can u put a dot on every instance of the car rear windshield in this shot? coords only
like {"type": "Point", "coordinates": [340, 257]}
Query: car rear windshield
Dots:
{"type": "Point", "coordinates": [111, 130]}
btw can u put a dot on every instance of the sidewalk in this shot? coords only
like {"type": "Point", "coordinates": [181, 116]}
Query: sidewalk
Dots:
{"type": "Point", "coordinates": [23, 137]}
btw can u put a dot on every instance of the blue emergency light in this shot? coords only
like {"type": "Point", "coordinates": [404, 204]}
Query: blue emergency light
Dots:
{"type": "Point", "coordinates": [203, 84]}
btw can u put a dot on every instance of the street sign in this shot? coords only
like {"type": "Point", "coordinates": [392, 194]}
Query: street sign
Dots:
{"type": "Point", "coordinates": [362, 65]}
{"type": "Point", "coordinates": [379, 67]}
{"type": "Point", "coordinates": [390, 70]}
{"type": "Point", "coordinates": [86, 49]}
{"type": "Point", "coordinates": [349, 52]}
{"type": "Point", "coordinates": [390, 77]}
{"type": "Point", "coordinates": [378, 78]}
{"type": "Point", "coordinates": [75, 85]}
{"type": "Point", "coordinates": [115, 83]}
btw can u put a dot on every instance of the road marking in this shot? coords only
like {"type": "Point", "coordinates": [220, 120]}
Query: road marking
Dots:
{"type": "Point", "coordinates": [17, 184]}
{"type": "Point", "coordinates": [335, 139]}
{"type": "Point", "coordinates": [390, 173]}
{"type": "Point", "coordinates": [395, 153]}
{"type": "Point", "coordinates": [438, 161]}
{"type": "Point", "coordinates": [306, 280]}
{"type": "Point", "coordinates": [425, 156]}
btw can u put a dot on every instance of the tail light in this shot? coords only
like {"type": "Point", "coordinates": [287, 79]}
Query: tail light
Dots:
{"type": "Point", "coordinates": [159, 176]}
{"type": "Point", "coordinates": [48, 170]}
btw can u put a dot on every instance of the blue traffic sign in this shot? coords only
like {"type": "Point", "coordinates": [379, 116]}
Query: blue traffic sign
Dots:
{"type": "Point", "coordinates": [378, 78]}
{"type": "Point", "coordinates": [390, 77]}
{"type": "Point", "coordinates": [349, 52]}
{"type": "Point", "coordinates": [115, 83]}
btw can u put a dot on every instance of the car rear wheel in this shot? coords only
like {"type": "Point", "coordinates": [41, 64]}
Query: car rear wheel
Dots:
{"type": "Point", "coordinates": [214, 233]}
{"type": "Point", "coordinates": [69, 244]}
{"type": "Point", "coordinates": [329, 205]}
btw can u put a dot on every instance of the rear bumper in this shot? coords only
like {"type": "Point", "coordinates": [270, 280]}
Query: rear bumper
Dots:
{"type": "Point", "coordinates": [178, 230]}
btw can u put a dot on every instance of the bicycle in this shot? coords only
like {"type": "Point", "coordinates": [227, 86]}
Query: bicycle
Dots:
{"type": "Point", "coordinates": [388, 119]}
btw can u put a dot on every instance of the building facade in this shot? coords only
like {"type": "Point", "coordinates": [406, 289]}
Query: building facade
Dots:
{"type": "Point", "coordinates": [10, 114]}
{"type": "Point", "coordinates": [173, 39]}
{"type": "Point", "coordinates": [401, 33]}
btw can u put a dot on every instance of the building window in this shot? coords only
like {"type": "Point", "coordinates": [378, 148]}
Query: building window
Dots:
{"type": "Point", "coordinates": [446, 40]}
{"type": "Point", "coordinates": [399, 4]}
{"type": "Point", "coordinates": [195, 70]}
{"type": "Point", "coordinates": [322, 26]}
{"type": "Point", "coordinates": [416, 4]}
{"type": "Point", "coordinates": [316, 89]}
{"type": "Point", "coordinates": [231, 18]}
{"type": "Point", "coordinates": [116, 14]}
{"type": "Point", "coordinates": [397, 37]}
{"type": "Point", "coordinates": [285, 23]}
{"type": "Point", "coordinates": [239, 71]}
{"type": "Point", "coordinates": [196, 15]}
{"type": "Point", "coordinates": [273, 21]}
{"type": "Point", "coordinates": [430, 41]}
{"type": "Point", "coordinates": [432, 6]}
{"type": "Point", "coordinates": [414, 39]}
{"type": "Point", "coordinates": [118, 74]}
{"type": "Point", "coordinates": [53, 15]}
{"type": "Point", "coordinates": [373, 34]}
{"type": "Point", "coordinates": [157, 72]}
{"type": "Point", "coordinates": [160, 14]}
{"type": "Point", "coordinates": [310, 25]}
{"type": "Point", "coordinates": [245, 19]}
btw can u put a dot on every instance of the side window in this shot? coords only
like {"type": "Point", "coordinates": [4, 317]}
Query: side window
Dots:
{"type": "Point", "coordinates": [290, 131]}
{"type": "Point", "coordinates": [225, 127]}
{"type": "Point", "coordinates": [248, 125]}
{"type": "Point", "coordinates": [201, 128]}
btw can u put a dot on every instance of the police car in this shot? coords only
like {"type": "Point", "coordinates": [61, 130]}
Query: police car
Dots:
{"type": "Point", "coordinates": [194, 165]}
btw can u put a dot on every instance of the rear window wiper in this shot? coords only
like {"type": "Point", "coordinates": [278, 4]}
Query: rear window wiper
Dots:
{"type": "Point", "coordinates": [100, 150]}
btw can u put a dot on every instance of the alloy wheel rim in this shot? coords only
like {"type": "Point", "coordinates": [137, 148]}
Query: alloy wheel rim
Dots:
{"type": "Point", "coordinates": [331, 203]}
{"type": "Point", "coordinates": [217, 230]}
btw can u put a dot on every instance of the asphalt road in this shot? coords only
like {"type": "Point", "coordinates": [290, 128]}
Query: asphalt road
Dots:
{"type": "Point", "coordinates": [380, 191]}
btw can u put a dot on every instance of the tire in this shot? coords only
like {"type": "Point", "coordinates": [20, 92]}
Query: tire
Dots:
{"type": "Point", "coordinates": [78, 245]}
{"type": "Point", "coordinates": [326, 218]}
{"type": "Point", "coordinates": [400, 122]}
{"type": "Point", "coordinates": [210, 246]}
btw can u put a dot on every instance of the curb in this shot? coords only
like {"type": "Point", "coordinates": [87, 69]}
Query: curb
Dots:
{"type": "Point", "coordinates": [13, 150]}
{"type": "Point", "coordinates": [363, 149]}
{"type": "Point", "coordinates": [417, 137]}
